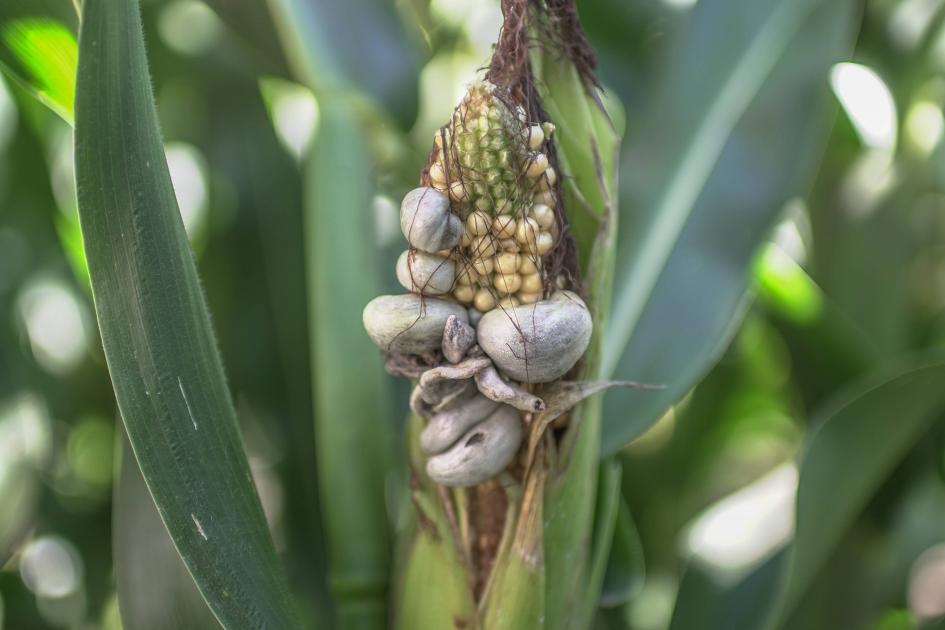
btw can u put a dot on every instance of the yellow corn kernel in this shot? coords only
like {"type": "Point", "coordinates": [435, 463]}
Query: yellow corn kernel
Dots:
{"type": "Point", "coordinates": [543, 242]}
{"type": "Point", "coordinates": [504, 226]}
{"type": "Point", "coordinates": [528, 298]}
{"type": "Point", "coordinates": [458, 191]}
{"type": "Point", "coordinates": [484, 246]}
{"type": "Point", "coordinates": [506, 283]}
{"type": "Point", "coordinates": [464, 293]}
{"type": "Point", "coordinates": [536, 165]}
{"type": "Point", "coordinates": [466, 274]}
{"type": "Point", "coordinates": [437, 175]}
{"type": "Point", "coordinates": [510, 245]}
{"type": "Point", "coordinates": [484, 300]}
{"type": "Point", "coordinates": [543, 214]}
{"type": "Point", "coordinates": [477, 223]}
{"type": "Point", "coordinates": [546, 197]}
{"type": "Point", "coordinates": [526, 230]}
{"type": "Point", "coordinates": [529, 265]}
{"type": "Point", "coordinates": [535, 136]}
{"type": "Point", "coordinates": [531, 283]}
{"type": "Point", "coordinates": [483, 266]}
{"type": "Point", "coordinates": [507, 262]}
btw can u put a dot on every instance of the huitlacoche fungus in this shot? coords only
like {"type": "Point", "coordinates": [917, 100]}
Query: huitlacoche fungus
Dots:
{"type": "Point", "coordinates": [481, 453]}
{"type": "Point", "coordinates": [540, 342]}
{"type": "Point", "coordinates": [427, 222]}
{"type": "Point", "coordinates": [409, 324]}
{"type": "Point", "coordinates": [426, 274]}
{"type": "Point", "coordinates": [490, 324]}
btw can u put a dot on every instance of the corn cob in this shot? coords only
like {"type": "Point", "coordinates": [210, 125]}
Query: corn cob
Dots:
{"type": "Point", "coordinates": [481, 232]}
{"type": "Point", "coordinates": [489, 161]}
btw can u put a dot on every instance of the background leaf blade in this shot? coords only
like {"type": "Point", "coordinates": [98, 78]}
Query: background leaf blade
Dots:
{"type": "Point", "coordinates": [860, 439]}
{"type": "Point", "coordinates": [687, 286]}
{"type": "Point", "coordinates": [155, 590]}
{"type": "Point", "coordinates": [159, 345]}
{"type": "Point", "coordinates": [354, 420]}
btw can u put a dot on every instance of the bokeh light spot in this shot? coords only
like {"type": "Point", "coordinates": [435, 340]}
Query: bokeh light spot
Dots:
{"type": "Point", "coordinates": [24, 432]}
{"type": "Point", "coordinates": [8, 117]}
{"type": "Point", "coordinates": [188, 174]}
{"type": "Point", "coordinates": [50, 567]}
{"type": "Point", "coordinates": [89, 450]}
{"type": "Point", "coordinates": [924, 125]}
{"type": "Point", "coordinates": [189, 27]}
{"type": "Point", "coordinates": [787, 286]}
{"type": "Point", "coordinates": [55, 324]}
{"type": "Point", "coordinates": [869, 104]}
{"type": "Point", "coordinates": [927, 584]}
{"type": "Point", "coordinates": [747, 526]}
{"type": "Point", "coordinates": [294, 113]}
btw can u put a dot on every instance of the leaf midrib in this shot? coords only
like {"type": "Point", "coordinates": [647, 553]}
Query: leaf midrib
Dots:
{"type": "Point", "coordinates": [679, 196]}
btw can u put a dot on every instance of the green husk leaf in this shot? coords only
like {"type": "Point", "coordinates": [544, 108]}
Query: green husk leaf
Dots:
{"type": "Point", "coordinates": [515, 597]}
{"type": "Point", "coordinates": [588, 150]}
{"type": "Point", "coordinates": [626, 568]}
{"type": "Point", "coordinates": [159, 345]}
{"type": "Point", "coordinates": [605, 519]}
{"type": "Point", "coordinates": [434, 588]}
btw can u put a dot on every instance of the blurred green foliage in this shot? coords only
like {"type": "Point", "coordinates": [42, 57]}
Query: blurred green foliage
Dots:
{"type": "Point", "coordinates": [853, 282]}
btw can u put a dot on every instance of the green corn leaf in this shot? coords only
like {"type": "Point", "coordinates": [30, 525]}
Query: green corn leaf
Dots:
{"type": "Point", "coordinates": [354, 422]}
{"type": "Point", "coordinates": [626, 568]}
{"type": "Point", "coordinates": [159, 345]}
{"type": "Point", "coordinates": [354, 416]}
{"type": "Point", "coordinates": [155, 591]}
{"type": "Point", "coordinates": [38, 50]}
{"type": "Point", "coordinates": [707, 186]}
{"type": "Point", "coordinates": [704, 602]}
{"type": "Point", "coordinates": [359, 43]}
{"type": "Point", "coordinates": [860, 439]}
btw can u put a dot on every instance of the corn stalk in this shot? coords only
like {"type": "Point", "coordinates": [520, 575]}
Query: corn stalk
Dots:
{"type": "Point", "coordinates": [548, 565]}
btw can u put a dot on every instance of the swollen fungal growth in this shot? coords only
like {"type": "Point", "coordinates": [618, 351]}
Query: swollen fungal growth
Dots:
{"type": "Point", "coordinates": [488, 318]}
